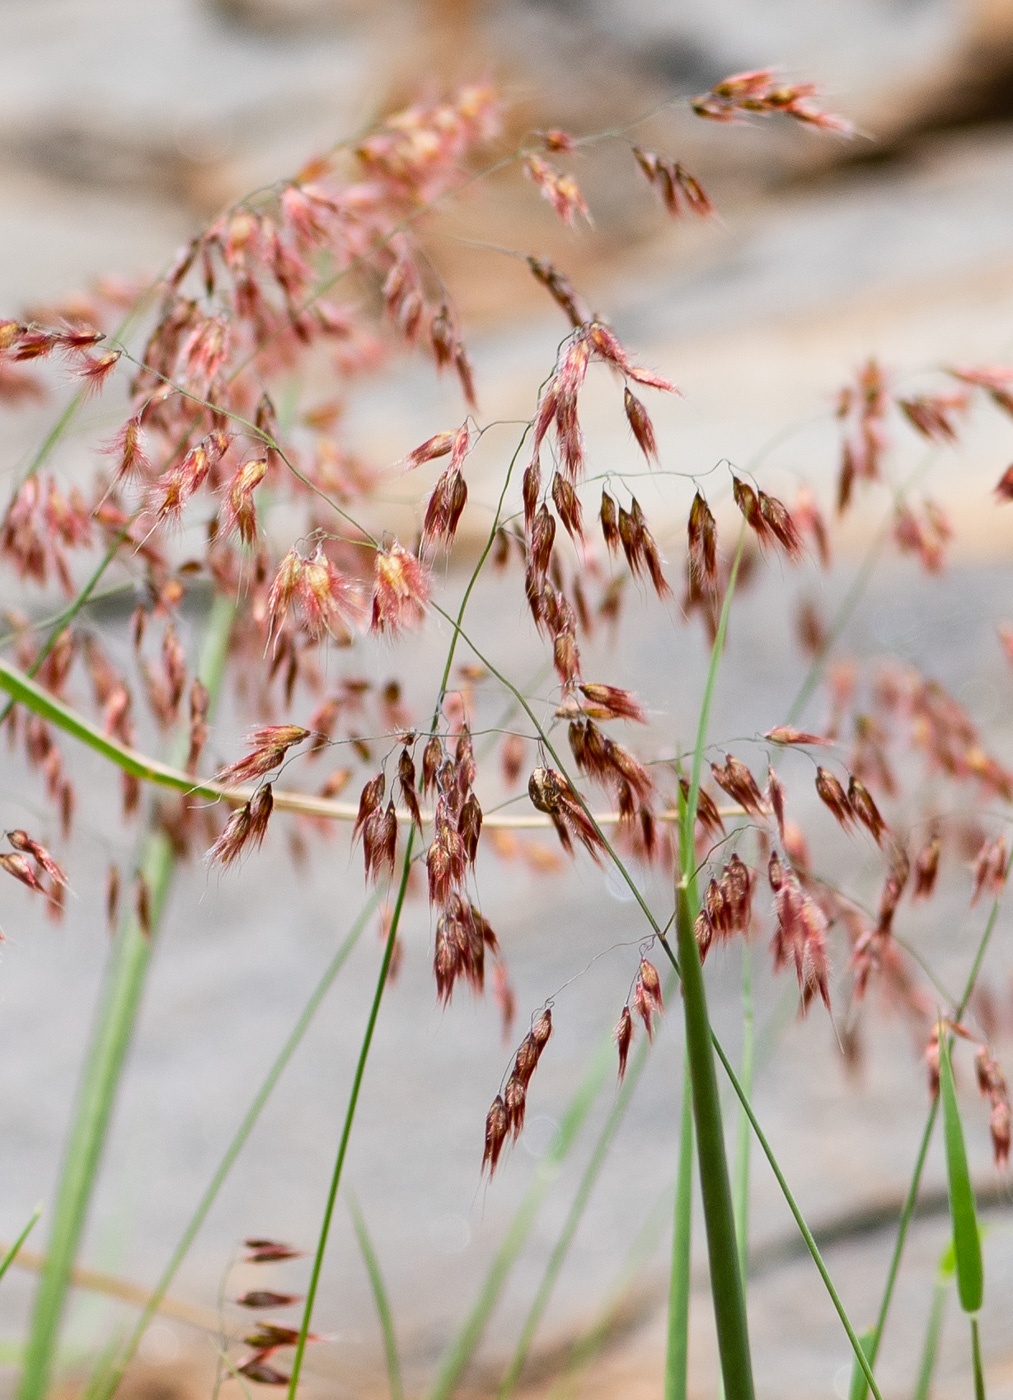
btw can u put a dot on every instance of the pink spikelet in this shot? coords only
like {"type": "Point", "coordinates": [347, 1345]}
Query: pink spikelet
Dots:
{"type": "Point", "coordinates": [401, 590]}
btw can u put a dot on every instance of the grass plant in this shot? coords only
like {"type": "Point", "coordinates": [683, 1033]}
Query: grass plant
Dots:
{"type": "Point", "coordinates": [267, 528]}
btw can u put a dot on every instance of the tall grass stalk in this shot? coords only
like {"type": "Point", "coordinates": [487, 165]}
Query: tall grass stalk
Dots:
{"type": "Point", "coordinates": [15, 1248]}
{"type": "Point", "coordinates": [740, 1196]}
{"type": "Point", "coordinates": [677, 1344]}
{"type": "Point", "coordinates": [106, 1379]}
{"type": "Point", "coordinates": [582, 1196]}
{"type": "Point", "coordinates": [117, 1015]}
{"type": "Point", "coordinates": [911, 1198]}
{"type": "Point", "coordinates": [726, 1281]}
{"type": "Point", "coordinates": [461, 1350]}
{"type": "Point", "coordinates": [381, 1299]}
{"type": "Point", "coordinates": [346, 1129]}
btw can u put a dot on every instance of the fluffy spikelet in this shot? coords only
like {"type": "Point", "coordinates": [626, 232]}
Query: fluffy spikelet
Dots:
{"type": "Point", "coordinates": [270, 746]}
{"type": "Point", "coordinates": [623, 1034]}
{"type": "Point", "coordinates": [567, 503]}
{"type": "Point", "coordinates": [990, 869]}
{"type": "Point", "coordinates": [778, 519]}
{"type": "Point", "coordinates": [702, 533]}
{"type": "Point", "coordinates": [28, 846]}
{"type": "Point", "coordinates": [369, 802]}
{"type": "Point", "coordinates": [676, 186]}
{"type": "Point", "coordinates": [933, 415]}
{"type": "Point", "coordinates": [379, 841]}
{"type": "Point", "coordinates": [647, 1001]}
{"type": "Point", "coordinates": [865, 809]}
{"type": "Point", "coordinates": [832, 794]}
{"type": "Point", "coordinates": [450, 494]}
{"type": "Point", "coordinates": [926, 868]}
{"type": "Point", "coordinates": [641, 426]}
{"type": "Point", "coordinates": [406, 783]}
{"type": "Point", "coordinates": [992, 1085]}
{"type": "Point", "coordinates": [432, 757]}
{"type": "Point", "coordinates": [14, 863]}
{"type": "Point", "coordinates": [708, 818]}
{"type": "Point", "coordinates": [551, 793]}
{"type": "Point", "coordinates": [748, 503]}
{"type": "Point", "coordinates": [446, 861]}
{"type": "Point", "coordinates": [561, 291]}
{"type": "Point", "coordinates": [497, 1126]}
{"type": "Point", "coordinates": [560, 190]}
{"type": "Point", "coordinates": [639, 547]}
{"type": "Point", "coordinates": [775, 798]}
{"type": "Point", "coordinates": [463, 937]}
{"type": "Point", "coordinates": [609, 523]}
{"type": "Point", "coordinates": [506, 1115]}
{"type": "Point", "coordinates": [247, 824]}
{"type": "Point", "coordinates": [735, 779]}
{"type": "Point", "coordinates": [240, 513]}
{"type": "Point", "coordinates": [760, 93]}
{"type": "Point", "coordinates": [727, 905]}
{"type": "Point", "coordinates": [436, 446]}
{"type": "Point", "coordinates": [609, 702]}
{"type": "Point", "coordinates": [788, 734]}
{"type": "Point", "coordinates": [401, 590]}
{"type": "Point", "coordinates": [800, 936]}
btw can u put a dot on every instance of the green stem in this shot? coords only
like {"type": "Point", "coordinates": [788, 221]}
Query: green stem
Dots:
{"type": "Point", "coordinates": [911, 1199]}
{"type": "Point", "coordinates": [741, 1183]}
{"type": "Point", "coordinates": [26, 692]}
{"type": "Point", "coordinates": [727, 1290]}
{"type": "Point", "coordinates": [346, 1131]}
{"type": "Point", "coordinates": [677, 1352]}
{"type": "Point", "coordinates": [105, 1384]}
{"type": "Point", "coordinates": [860, 1353]}
{"type": "Point", "coordinates": [979, 1370]}
{"type": "Point", "coordinates": [15, 1248]}
{"type": "Point", "coordinates": [688, 824]}
{"type": "Point", "coordinates": [930, 1350]}
{"type": "Point", "coordinates": [111, 1038]}
{"type": "Point", "coordinates": [725, 1280]}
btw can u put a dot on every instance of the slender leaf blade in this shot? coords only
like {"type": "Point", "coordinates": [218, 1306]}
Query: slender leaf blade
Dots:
{"type": "Point", "coordinates": [964, 1217]}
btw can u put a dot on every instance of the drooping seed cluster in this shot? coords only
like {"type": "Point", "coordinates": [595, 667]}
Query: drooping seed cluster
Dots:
{"type": "Point", "coordinates": [203, 453]}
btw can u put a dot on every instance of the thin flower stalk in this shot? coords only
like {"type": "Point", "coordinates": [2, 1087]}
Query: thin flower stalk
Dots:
{"type": "Point", "coordinates": [346, 1131]}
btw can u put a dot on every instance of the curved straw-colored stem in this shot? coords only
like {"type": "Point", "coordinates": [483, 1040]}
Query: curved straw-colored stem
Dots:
{"type": "Point", "coordinates": [26, 692]}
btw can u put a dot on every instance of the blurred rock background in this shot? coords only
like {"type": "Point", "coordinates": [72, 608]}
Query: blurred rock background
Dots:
{"type": "Point", "coordinates": [123, 126]}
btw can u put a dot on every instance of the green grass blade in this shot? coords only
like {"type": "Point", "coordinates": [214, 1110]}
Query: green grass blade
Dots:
{"type": "Point", "coordinates": [725, 1279]}
{"type": "Point", "coordinates": [121, 997]}
{"type": "Point", "coordinates": [799, 1218]}
{"type": "Point", "coordinates": [979, 1370]}
{"type": "Point", "coordinates": [381, 1299]}
{"type": "Point", "coordinates": [727, 1289]}
{"type": "Point", "coordinates": [934, 1328]}
{"type": "Point", "coordinates": [740, 1185]}
{"type": "Point", "coordinates": [15, 1248]}
{"type": "Point", "coordinates": [106, 1379]}
{"type": "Point", "coordinates": [677, 1352]}
{"type": "Point", "coordinates": [859, 1386]}
{"type": "Point", "coordinates": [575, 1214]}
{"type": "Point", "coordinates": [611, 1313]}
{"type": "Point", "coordinates": [964, 1217]}
{"type": "Point", "coordinates": [465, 1344]}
